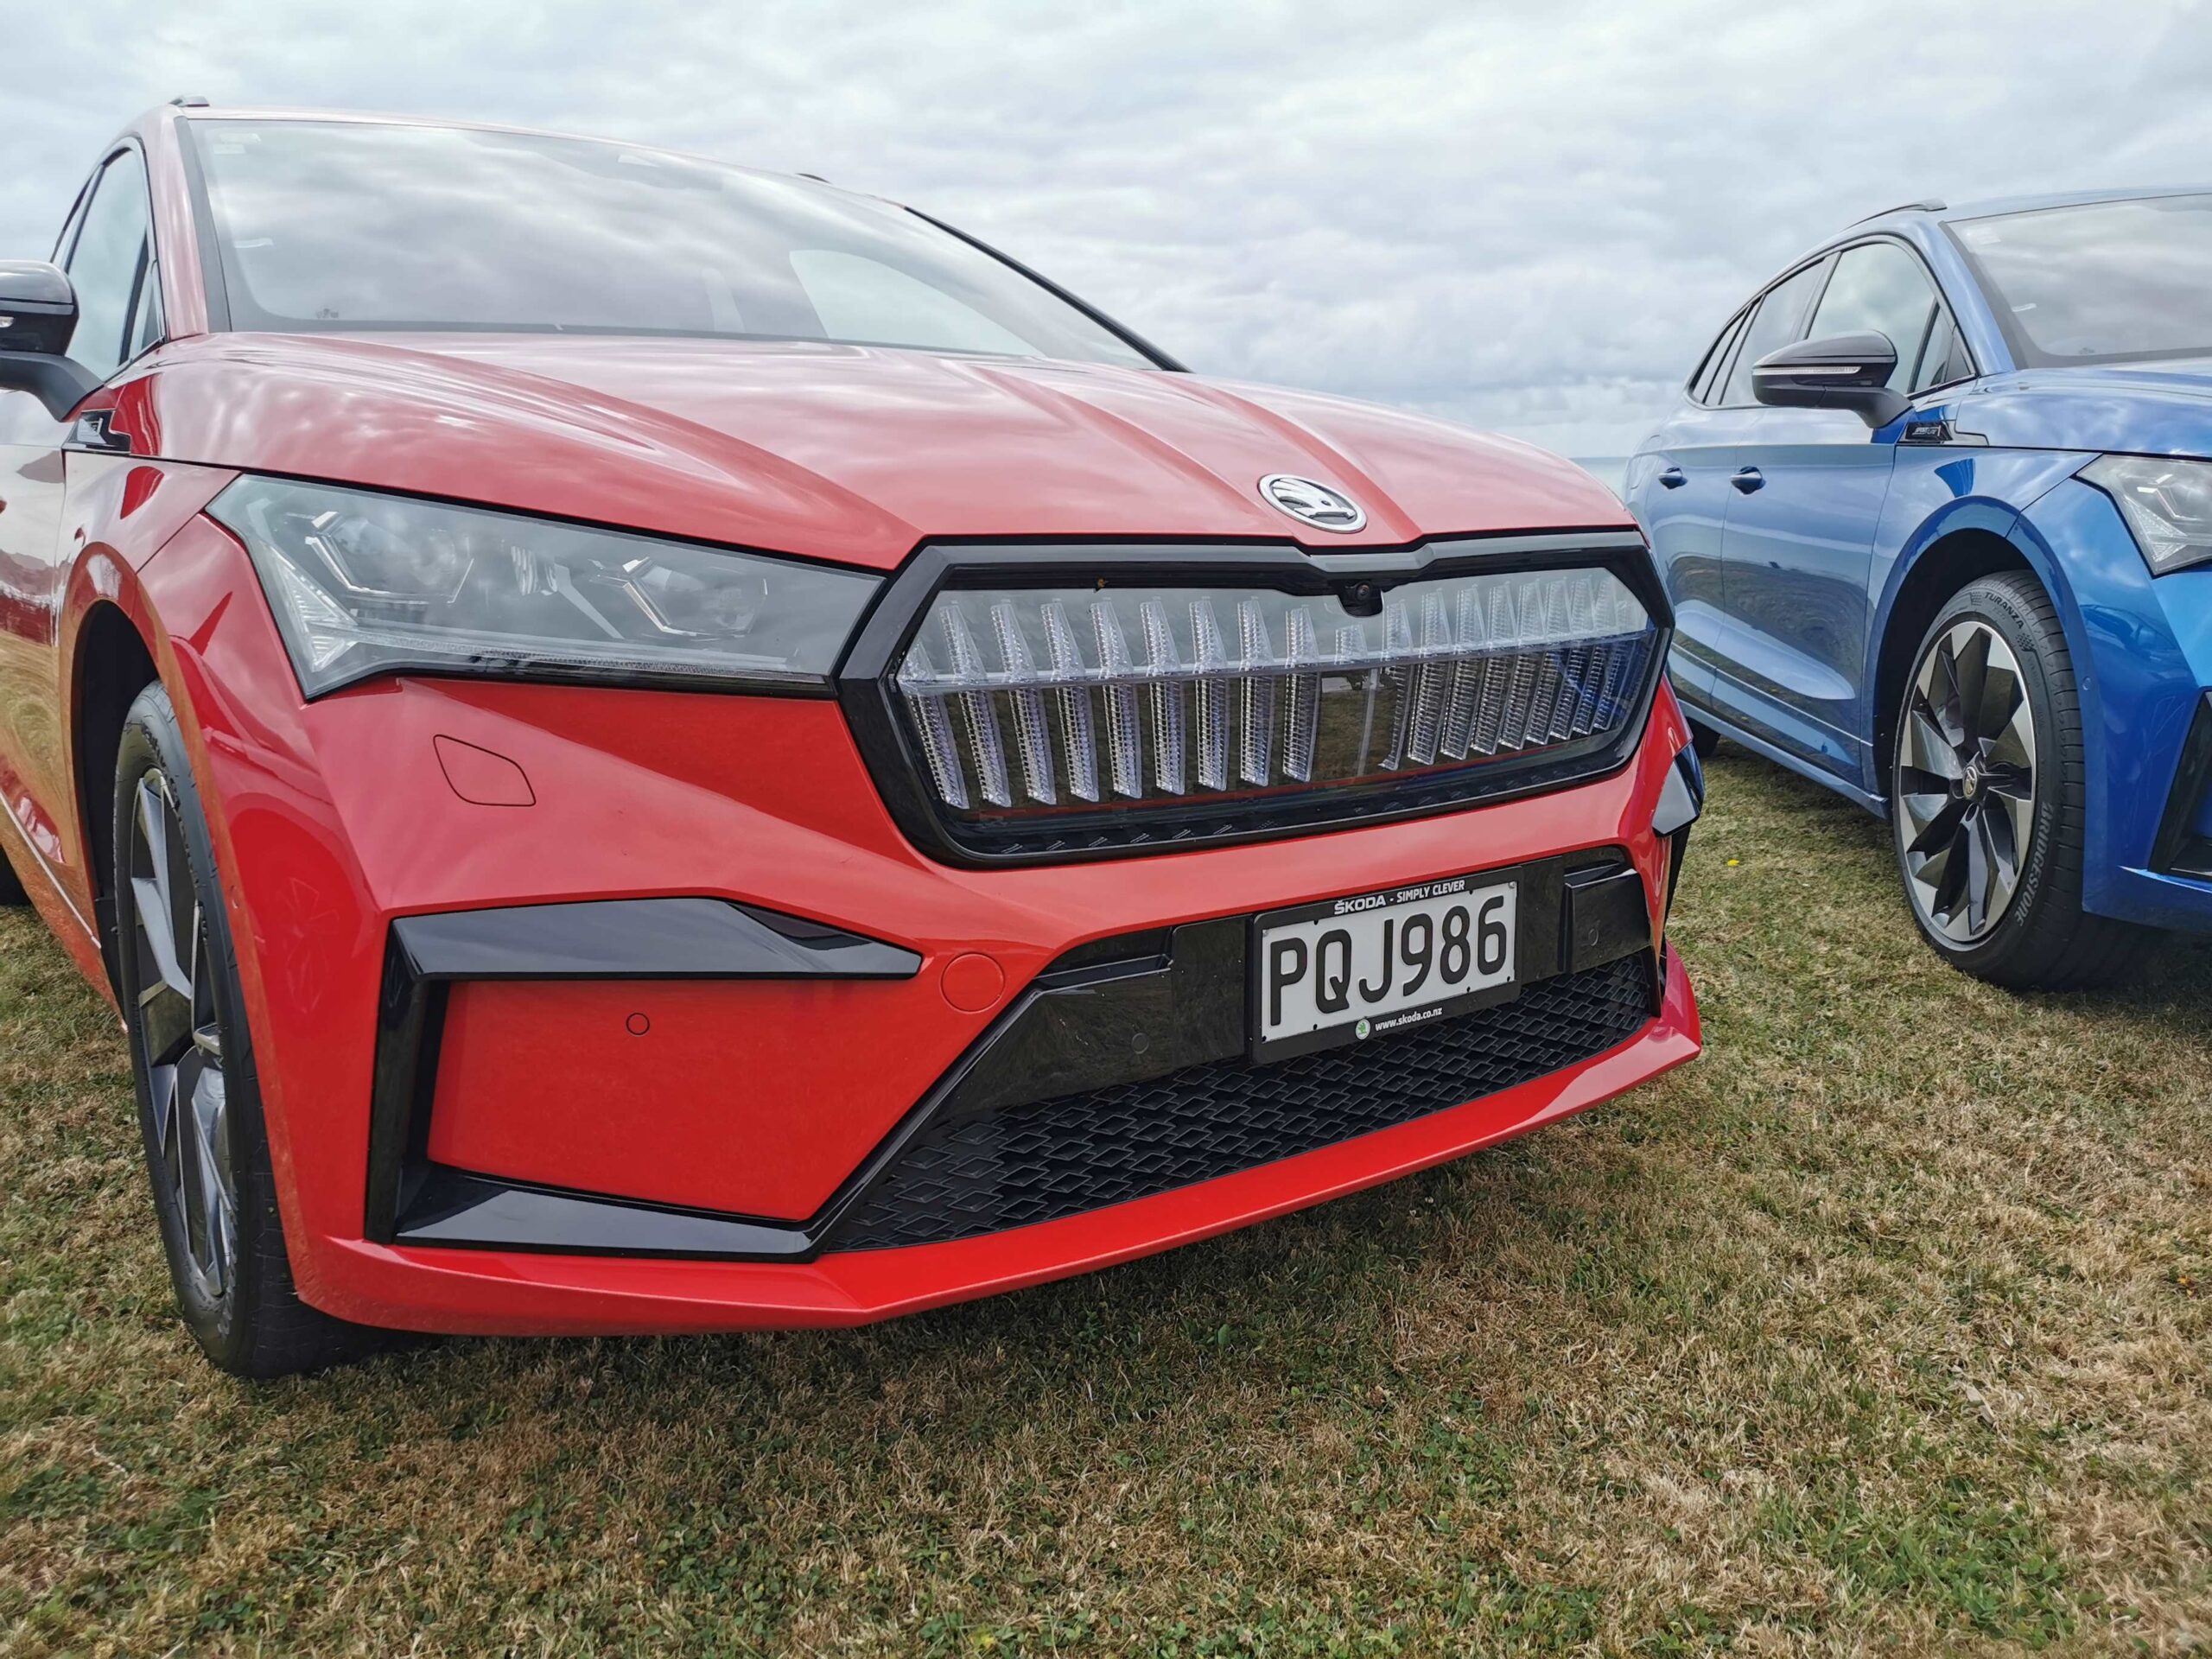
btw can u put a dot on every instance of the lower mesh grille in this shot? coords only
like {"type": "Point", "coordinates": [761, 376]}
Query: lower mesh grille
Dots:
{"type": "Point", "coordinates": [1028, 1164]}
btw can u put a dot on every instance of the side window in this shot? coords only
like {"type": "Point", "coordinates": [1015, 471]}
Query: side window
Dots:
{"type": "Point", "coordinates": [1779, 319]}
{"type": "Point", "coordinates": [111, 266]}
{"type": "Point", "coordinates": [1944, 358]}
{"type": "Point", "coordinates": [69, 226]}
{"type": "Point", "coordinates": [1879, 287]}
{"type": "Point", "coordinates": [1716, 359]}
{"type": "Point", "coordinates": [147, 323]}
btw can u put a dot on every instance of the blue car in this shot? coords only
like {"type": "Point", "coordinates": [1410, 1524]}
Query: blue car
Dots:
{"type": "Point", "coordinates": [1934, 511]}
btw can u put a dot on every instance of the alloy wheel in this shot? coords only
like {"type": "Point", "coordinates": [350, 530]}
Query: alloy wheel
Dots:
{"type": "Point", "coordinates": [180, 1040]}
{"type": "Point", "coordinates": [1965, 782]}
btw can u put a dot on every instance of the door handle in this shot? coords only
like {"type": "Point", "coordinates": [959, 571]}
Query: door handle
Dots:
{"type": "Point", "coordinates": [1674, 478]}
{"type": "Point", "coordinates": [1748, 479]}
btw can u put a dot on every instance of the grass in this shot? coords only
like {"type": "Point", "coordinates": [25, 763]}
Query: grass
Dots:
{"type": "Point", "coordinates": [1882, 1329]}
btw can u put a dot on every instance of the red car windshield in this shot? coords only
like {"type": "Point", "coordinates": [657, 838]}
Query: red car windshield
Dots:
{"type": "Point", "coordinates": [2103, 281]}
{"type": "Point", "coordinates": [339, 225]}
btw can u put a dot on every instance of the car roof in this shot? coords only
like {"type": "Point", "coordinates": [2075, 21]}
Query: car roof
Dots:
{"type": "Point", "coordinates": [1944, 213]}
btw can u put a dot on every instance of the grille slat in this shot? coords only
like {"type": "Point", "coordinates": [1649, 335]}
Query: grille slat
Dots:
{"type": "Point", "coordinates": [1166, 697]}
{"type": "Point", "coordinates": [1024, 1165]}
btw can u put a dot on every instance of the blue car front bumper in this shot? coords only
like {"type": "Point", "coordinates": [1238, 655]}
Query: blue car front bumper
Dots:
{"type": "Point", "coordinates": [2142, 650]}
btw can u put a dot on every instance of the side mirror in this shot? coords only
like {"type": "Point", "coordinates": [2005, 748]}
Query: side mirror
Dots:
{"type": "Point", "coordinates": [1841, 372]}
{"type": "Point", "coordinates": [38, 313]}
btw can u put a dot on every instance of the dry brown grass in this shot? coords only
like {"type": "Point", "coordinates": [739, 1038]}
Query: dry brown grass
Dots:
{"type": "Point", "coordinates": [1881, 1328]}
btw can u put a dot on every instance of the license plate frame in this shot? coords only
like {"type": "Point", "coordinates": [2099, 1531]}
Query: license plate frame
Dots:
{"type": "Point", "coordinates": [1473, 891]}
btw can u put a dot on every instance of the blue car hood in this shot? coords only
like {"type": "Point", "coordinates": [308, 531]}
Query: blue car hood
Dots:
{"type": "Point", "coordinates": [2162, 408]}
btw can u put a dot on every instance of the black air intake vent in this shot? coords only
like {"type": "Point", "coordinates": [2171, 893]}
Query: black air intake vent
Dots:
{"type": "Point", "coordinates": [1057, 1158]}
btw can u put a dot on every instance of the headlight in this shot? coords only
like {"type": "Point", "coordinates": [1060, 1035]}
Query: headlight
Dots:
{"type": "Point", "coordinates": [364, 584]}
{"type": "Point", "coordinates": [2167, 504]}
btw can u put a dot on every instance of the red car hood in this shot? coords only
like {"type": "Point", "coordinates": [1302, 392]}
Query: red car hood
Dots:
{"type": "Point", "coordinates": [840, 452]}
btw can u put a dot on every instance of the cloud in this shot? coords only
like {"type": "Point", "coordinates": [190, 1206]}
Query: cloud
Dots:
{"type": "Point", "coordinates": [1527, 217]}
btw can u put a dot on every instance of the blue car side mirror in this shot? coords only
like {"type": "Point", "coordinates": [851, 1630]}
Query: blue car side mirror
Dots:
{"type": "Point", "coordinates": [1840, 371]}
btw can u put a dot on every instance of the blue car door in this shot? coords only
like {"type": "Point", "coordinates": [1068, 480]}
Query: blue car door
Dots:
{"type": "Point", "coordinates": [1678, 482]}
{"type": "Point", "coordinates": [1807, 488]}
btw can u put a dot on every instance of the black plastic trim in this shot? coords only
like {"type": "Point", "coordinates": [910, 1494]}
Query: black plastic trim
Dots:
{"type": "Point", "coordinates": [1128, 337]}
{"type": "Point", "coordinates": [453, 1207]}
{"type": "Point", "coordinates": [641, 939]}
{"type": "Point", "coordinates": [1092, 1024]}
{"type": "Point", "coordinates": [2178, 849]}
{"type": "Point", "coordinates": [208, 254]}
{"type": "Point", "coordinates": [1681, 797]}
{"type": "Point", "coordinates": [58, 383]}
{"type": "Point", "coordinates": [610, 939]}
{"type": "Point", "coordinates": [1604, 915]}
{"type": "Point", "coordinates": [1120, 1010]}
{"type": "Point", "coordinates": [871, 707]}
{"type": "Point", "coordinates": [1088, 1153]}
{"type": "Point", "coordinates": [1682, 803]}
{"type": "Point", "coordinates": [1925, 204]}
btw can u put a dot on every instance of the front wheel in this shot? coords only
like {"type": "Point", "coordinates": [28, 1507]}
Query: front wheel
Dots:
{"type": "Point", "coordinates": [1988, 795]}
{"type": "Point", "coordinates": [192, 1055]}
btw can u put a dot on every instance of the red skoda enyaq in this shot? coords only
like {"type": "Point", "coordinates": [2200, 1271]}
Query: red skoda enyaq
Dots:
{"type": "Point", "coordinates": [648, 747]}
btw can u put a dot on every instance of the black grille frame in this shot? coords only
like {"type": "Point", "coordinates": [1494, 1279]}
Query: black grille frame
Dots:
{"type": "Point", "coordinates": [866, 692]}
{"type": "Point", "coordinates": [966, 1176]}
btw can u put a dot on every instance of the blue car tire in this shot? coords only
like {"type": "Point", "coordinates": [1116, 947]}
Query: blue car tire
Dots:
{"type": "Point", "coordinates": [1987, 792]}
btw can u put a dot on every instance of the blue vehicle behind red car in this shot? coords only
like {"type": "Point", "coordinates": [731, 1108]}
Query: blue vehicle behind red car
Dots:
{"type": "Point", "coordinates": [1934, 512]}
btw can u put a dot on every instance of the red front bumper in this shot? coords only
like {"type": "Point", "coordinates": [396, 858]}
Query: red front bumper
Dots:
{"type": "Point", "coordinates": [501, 1294]}
{"type": "Point", "coordinates": [409, 797]}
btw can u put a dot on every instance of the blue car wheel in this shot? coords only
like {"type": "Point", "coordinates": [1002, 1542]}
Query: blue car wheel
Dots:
{"type": "Point", "coordinates": [1988, 792]}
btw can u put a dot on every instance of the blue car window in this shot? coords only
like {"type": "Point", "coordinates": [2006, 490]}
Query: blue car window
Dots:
{"type": "Point", "coordinates": [2101, 281]}
{"type": "Point", "coordinates": [1944, 358]}
{"type": "Point", "coordinates": [1880, 288]}
{"type": "Point", "coordinates": [1707, 376]}
{"type": "Point", "coordinates": [1779, 321]}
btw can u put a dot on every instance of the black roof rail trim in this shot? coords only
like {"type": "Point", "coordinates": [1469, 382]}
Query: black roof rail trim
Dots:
{"type": "Point", "coordinates": [1925, 204]}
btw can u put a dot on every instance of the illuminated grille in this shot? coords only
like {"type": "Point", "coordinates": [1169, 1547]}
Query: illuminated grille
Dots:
{"type": "Point", "coordinates": [1057, 700]}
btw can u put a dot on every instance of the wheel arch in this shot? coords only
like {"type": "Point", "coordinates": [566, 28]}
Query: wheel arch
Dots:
{"type": "Point", "coordinates": [1966, 546]}
{"type": "Point", "coordinates": [111, 664]}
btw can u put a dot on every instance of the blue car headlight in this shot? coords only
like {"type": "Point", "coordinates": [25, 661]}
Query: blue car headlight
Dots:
{"type": "Point", "coordinates": [366, 583]}
{"type": "Point", "coordinates": [2167, 505]}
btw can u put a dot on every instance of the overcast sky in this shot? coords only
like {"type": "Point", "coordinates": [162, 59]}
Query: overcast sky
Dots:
{"type": "Point", "coordinates": [1526, 216]}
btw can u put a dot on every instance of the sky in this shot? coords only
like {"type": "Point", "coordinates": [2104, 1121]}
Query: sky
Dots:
{"type": "Point", "coordinates": [1527, 217]}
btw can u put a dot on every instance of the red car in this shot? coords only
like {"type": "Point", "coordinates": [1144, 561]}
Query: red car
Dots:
{"type": "Point", "coordinates": [647, 747]}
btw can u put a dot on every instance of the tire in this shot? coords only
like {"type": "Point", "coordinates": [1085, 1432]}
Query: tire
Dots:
{"type": "Point", "coordinates": [192, 1057]}
{"type": "Point", "coordinates": [1704, 739]}
{"type": "Point", "coordinates": [1989, 779]}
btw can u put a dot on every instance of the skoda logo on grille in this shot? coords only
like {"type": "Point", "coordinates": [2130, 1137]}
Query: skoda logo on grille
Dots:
{"type": "Point", "coordinates": [1312, 504]}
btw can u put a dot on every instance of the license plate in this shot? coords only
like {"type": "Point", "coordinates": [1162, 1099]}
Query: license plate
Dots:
{"type": "Point", "coordinates": [1349, 968]}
